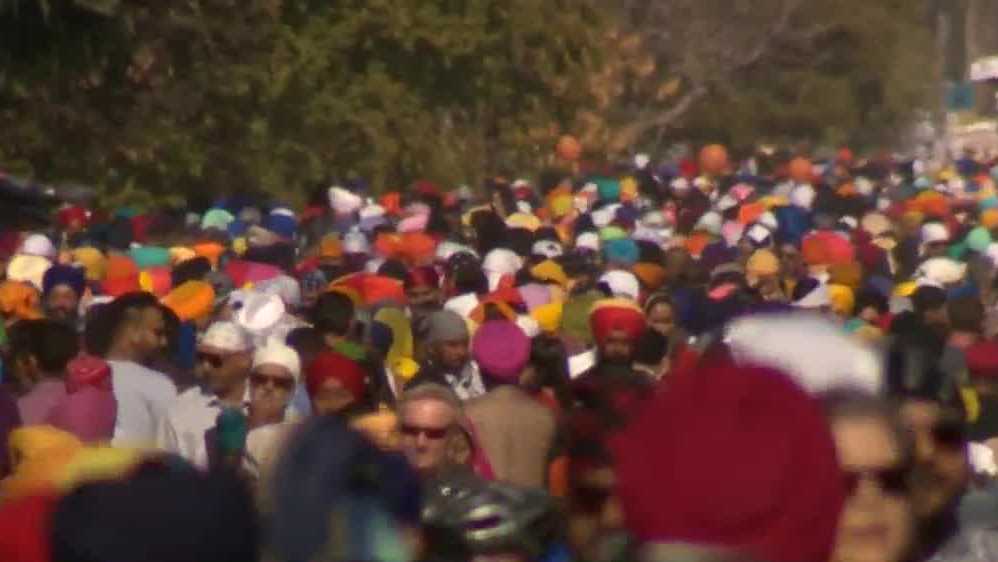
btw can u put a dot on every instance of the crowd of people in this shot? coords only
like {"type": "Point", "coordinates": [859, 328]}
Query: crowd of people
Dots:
{"type": "Point", "coordinates": [769, 359]}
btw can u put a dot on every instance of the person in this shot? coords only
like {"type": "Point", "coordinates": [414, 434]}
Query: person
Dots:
{"type": "Point", "coordinates": [224, 360]}
{"type": "Point", "coordinates": [782, 506]}
{"type": "Point", "coordinates": [448, 359]}
{"type": "Point", "coordinates": [40, 350]}
{"type": "Point", "coordinates": [428, 418]}
{"type": "Point", "coordinates": [335, 496]}
{"type": "Point", "coordinates": [516, 432]}
{"type": "Point", "coordinates": [333, 317]}
{"type": "Point", "coordinates": [336, 385]}
{"type": "Point", "coordinates": [88, 411]}
{"type": "Point", "coordinates": [62, 288]}
{"type": "Point", "coordinates": [157, 513]}
{"type": "Point", "coordinates": [422, 291]}
{"type": "Point", "coordinates": [136, 334]}
{"type": "Point", "coordinates": [274, 374]}
{"type": "Point", "coordinates": [616, 325]}
{"type": "Point", "coordinates": [876, 524]}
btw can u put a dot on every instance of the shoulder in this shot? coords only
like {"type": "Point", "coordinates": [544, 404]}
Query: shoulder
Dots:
{"type": "Point", "coordinates": [127, 372]}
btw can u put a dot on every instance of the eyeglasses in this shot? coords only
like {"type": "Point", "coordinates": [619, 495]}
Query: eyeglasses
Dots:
{"type": "Point", "coordinates": [430, 432]}
{"type": "Point", "coordinates": [282, 383]}
{"type": "Point", "coordinates": [892, 480]}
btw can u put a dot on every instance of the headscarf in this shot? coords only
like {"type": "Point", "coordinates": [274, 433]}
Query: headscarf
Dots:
{"type": "Point", "coordinates": [19, 300]}
{"type": "Point", "coordinates": [190, 301]}
{"type": "Point", "coordinates": [445, 325]}
{"type": "Point", "coordinates": [68, 275]}
{"type": "Point", "coordinates": [89, 409]}
{"type": "Point", "coordinates": [609, 315]}
{"type": "Point", "coordinates": [501, 349]}
{"type": "Point", "coordinates": [785, 504]}
{"type": "Point", "coordinates": [93, 261]}
{"type": "Point", "coordinates": [333, 366]}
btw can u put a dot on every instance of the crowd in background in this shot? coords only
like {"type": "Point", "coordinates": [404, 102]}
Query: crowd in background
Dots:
{"type": "Point", "coordinates": [768, 358]}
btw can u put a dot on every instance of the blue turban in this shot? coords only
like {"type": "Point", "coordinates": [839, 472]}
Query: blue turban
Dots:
{"type": "Point", "coordinates": [64, 275]}
{"type": "Point", "coordinates": [608, 189]}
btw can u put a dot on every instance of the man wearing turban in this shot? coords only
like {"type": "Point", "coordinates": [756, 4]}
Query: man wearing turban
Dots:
{"type": "Point", "coordinates": [62, 288]}
{"type": "Point", "coordinates": [616, 325]}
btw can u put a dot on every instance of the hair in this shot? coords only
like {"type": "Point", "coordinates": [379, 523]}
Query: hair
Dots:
{"type": "Point", "coordinates": [548, 356]}
{"type": "Point", "coordinates": [871, 298]}
{"type": "Point", "coordinates": [51, 343]}
{"type": "Point", "coordinates": [966, 314]}
{"type": "Point", "coordinates": [121, 312]}
{"type": "Point", "coordinates": [928, 298]}
{"type": "Point", "coordinates": [328, 470]}
{"type": "Point", "coordinates": [393, 268]}
{"type": "Point", "coordinates": [468, 279]}
{"type": "Point", "coordinates": [97, 332]}
{"type": "Point", "coordinates": [656, 299]}
{"type": "Point", "coordinates": [333, 313]}
{"type": "Point", "coordinates": [852, 404]}
{"type": "Point", "coordinates": [431, 391]}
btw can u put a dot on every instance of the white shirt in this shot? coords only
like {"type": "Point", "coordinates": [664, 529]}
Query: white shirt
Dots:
{"type": "Point", "coordinates": [143, 397]}
{"type": "Point", "coordinates": [183, 429]}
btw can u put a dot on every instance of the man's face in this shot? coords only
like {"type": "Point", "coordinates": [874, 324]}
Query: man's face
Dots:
{"type": "Point", "coordinates": [149, 335]}
{"type": "Point", "coordinates": [595, 519]}
{"type": "Point", "coordinates": [271, 387]}
{"type": "Point", "coordinates": [452, 354]}
{"type": "Point", "coordinates": [941, 468]}
{"type": "Point", "coordinates": [425, 427]}
{"type": "Point", "coordinates": [331, 398]}
{"type": "Point", "coordinates": [617, 347]}
{"type": "Point", "coordinates": [62, 304]}
{"type": "Point", "coordinates": [221, 369]}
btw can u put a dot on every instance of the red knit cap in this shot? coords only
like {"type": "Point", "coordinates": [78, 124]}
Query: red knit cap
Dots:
{"type": "Point", "coordinates": [737, 458]}
{"type": "Point", "coordinates": [330, 365]}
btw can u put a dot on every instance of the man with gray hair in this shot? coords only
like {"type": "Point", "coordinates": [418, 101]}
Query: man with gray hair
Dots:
{"type": "Point", "coordinates": [449, 361]}
{"type": "Point", "coordinates": [429, 417]}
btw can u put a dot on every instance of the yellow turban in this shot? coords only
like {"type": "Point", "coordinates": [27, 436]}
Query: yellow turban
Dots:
{"type": "Point", "coordinates": [989, 218]}
{"type": "Point", "coordinates": [548, 316]}
{"type": "Point", "coordinates": [19, 300]}
{"type": "Point", "coordinates": [180, 254]}
{"type": "Point", "coordinates": [93, 261]}
{"type": "Point", "coordinates": [842, 299]}
{"type": "Point", "coordinates": [549, 271]}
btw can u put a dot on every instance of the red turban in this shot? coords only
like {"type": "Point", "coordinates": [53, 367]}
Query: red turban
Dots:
{"type": "Point", "coordinates": [610, 315]}
{"type": "Point", "coordinates": [330, 365]}
{"type": "Point", "coordinates": [677, 482]}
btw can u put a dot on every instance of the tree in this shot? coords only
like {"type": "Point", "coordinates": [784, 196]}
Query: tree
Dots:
{"type": "Point", "coordinates": [742, 71]}
{"type": "Point", "coordinates": [176, 97]}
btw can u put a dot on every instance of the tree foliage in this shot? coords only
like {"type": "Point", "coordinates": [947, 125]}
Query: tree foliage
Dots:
{"type": "Point", "coordinates": [191, 95]}
{"type": "Point", "coordinates": [741, 71]}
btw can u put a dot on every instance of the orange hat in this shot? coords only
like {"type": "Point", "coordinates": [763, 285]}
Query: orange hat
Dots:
{"type": "Point", "coordinates": [417, 248]}
{"type": "Point", "coordinates": [210, 250]}
{"type": "Point", "coordinates": [331, 247]}
{"type": "Point", "coordinates": [651, 275]}
{"type": "Point", "coordinates": [192, 300]}
{"type": "Point", "coordinates": [750, 212]}
{"type": "Point", "coordinates": [156, 280]}
{"type": "Point", "coordinates": [848, 274]}
{"type": "Point", "coordinates": [120, 267]}
{"type": "Point", "coordinates": [989, 218]}
{"type": "Point", "coordinates": [19, 300]}
{"type": "Point", "coordinates": [392, 202]}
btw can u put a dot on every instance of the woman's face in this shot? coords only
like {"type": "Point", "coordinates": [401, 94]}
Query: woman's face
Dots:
{"type": "Point", "coordinates": [876, 521]}
{"type": "Point", "coordinates": [660, 318]}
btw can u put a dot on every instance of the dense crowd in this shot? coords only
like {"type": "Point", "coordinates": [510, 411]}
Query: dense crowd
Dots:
{"type": "Point", "coordinates": [770, 359]}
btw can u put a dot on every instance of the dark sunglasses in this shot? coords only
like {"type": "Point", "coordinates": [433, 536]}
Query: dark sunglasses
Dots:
{"type": "Point", "coordinates": [212, 359]}
{"type": "Point", "coordinates": [282, 383]}
{"type": "Point", "coordinates": [893, 480]}
{"type": "Point", "coordinates": [430, 432]}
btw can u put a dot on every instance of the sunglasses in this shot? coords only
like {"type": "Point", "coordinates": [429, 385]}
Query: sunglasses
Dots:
{"type": "Point", "coordinates": [430, 432]}
{"type": "Point", "coordinates": [282, 383]}
{"type": "Point", "coordinates": [893, 480]}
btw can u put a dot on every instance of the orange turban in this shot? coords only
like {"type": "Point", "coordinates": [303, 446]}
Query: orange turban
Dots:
{"type": "Point", "coordinates": [19, 300]}
{"type": "Point", "coordinates": [750, 212]}
{"type": "Point", "coordinates": [210, 250]}
{"type": "Point", "coordinates": [651, 275]}
{"type": "Point", "coordinates": [616, 315]}
{"type": "Point", "coordinates": [192, 300]}
{"type": "Point", "coordinates": [989, 218]}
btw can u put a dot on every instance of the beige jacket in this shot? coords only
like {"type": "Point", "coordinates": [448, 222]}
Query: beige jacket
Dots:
{"type": "Point", "coordinates": [516, 432]}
